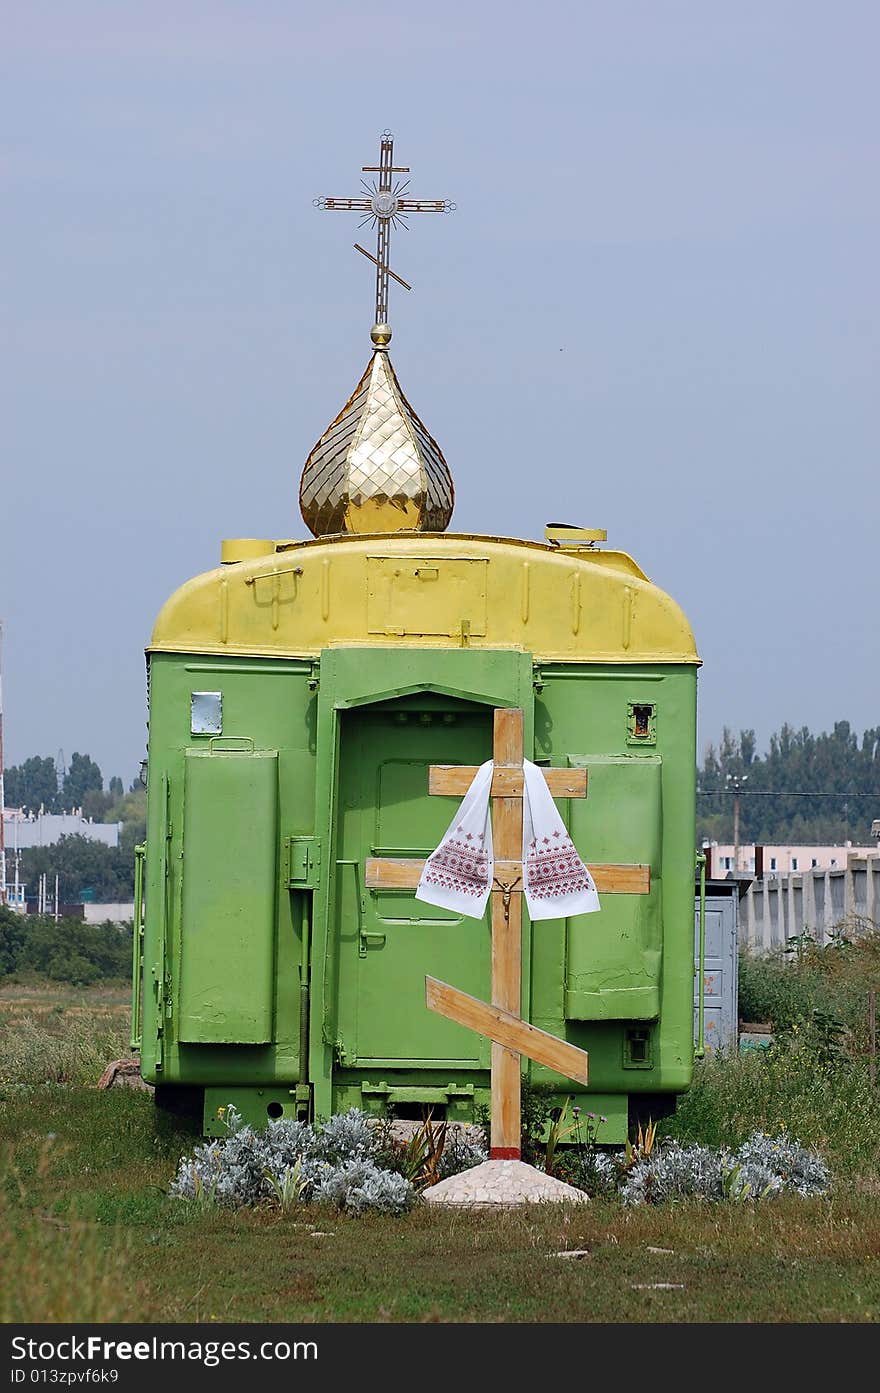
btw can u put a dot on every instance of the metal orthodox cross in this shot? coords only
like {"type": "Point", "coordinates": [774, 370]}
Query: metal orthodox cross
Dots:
{"type": "Point", "coordinates": [501, 1021]}
{"type": "Point", "coordinates": [384, 204]}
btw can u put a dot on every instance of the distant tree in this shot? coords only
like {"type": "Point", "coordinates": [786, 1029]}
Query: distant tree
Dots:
{"type": "Point", "coordinates": [82, 777]}
{"type": "Point", "coordinates": [32, 785]}
{"type": "Point", "coordinates": [13, 932]}
{"type": "Point", "coordinates": [131, 811]}
{"type": "Point", "coordinates": [69, 951]}
{"type": "Point", "coordinates": [807, 788]}
{"type": "Point", "coordinates": [96, 804]}
{"type": "Point", "coordinates": [115, 786]}
{"type": "Point", "coordinates": [81, 865]}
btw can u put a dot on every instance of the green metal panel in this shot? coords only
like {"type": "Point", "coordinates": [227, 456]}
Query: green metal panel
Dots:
{"type": "Point", "coordinates": [589, 709]}
{"type": "Point", "coordinates": [613, 957]}
{"type": "Point", "coordinates": [273, 703]}
{"type": "Point", "coordinates": [227, 941]}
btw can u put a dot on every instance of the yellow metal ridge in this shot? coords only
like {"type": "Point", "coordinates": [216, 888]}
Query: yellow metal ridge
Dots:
{"type": "Point", "coordinates": [437, 590]}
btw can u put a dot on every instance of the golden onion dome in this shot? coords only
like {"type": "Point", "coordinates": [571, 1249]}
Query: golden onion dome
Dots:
{"type": "Point", "coordinates": [376, 468]}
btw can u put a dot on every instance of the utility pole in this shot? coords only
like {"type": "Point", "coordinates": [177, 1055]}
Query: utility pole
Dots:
{"type": "Point", "coordinates": [16, 861]}
{"type": "Point", "coordinates": [736, 784]}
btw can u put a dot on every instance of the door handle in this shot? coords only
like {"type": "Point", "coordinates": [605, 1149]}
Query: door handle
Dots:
{"type": "Point", "coordinates": [364, 938]}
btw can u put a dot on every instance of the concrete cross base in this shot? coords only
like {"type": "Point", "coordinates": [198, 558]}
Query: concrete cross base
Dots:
{"type": "Point", "coordinates": [502, 1185]}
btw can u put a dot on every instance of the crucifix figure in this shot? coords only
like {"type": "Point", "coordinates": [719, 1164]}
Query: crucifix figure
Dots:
{"type": "Point", "coordinates": [384, 205]}
{"type": "Point", "coordinates": [501, 1020]}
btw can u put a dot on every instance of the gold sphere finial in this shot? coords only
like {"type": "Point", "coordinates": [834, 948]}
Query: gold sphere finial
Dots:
{"type": "Point", "coordinates": [381, 335]}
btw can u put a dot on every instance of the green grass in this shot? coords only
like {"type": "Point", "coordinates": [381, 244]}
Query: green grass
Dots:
{"type": "Point", "coordinates": [84, 1180]}
{"type": "Point", "coordinates": [90, 1233]}
{"type": "Point", "coordinates": [61, 1034]}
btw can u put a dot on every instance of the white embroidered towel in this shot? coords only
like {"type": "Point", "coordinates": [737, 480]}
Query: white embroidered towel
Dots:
{"type": "Point", "coordinates": [557, 883]}
{"type": "Point", "coordinates": [458, 875]}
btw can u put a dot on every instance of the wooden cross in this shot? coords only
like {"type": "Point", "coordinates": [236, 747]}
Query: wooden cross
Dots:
{"type": "Point", "coordinates": [501, 1021]}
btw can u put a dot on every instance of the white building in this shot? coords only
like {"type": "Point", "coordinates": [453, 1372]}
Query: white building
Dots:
{"type": "Point", "coordinates": [783, 860]}
{"type": "Point", "coordinates": [25, 830]}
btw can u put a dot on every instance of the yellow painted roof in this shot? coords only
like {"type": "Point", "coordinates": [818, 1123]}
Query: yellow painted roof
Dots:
{"type": "Point", "coordinates": [427, 590]}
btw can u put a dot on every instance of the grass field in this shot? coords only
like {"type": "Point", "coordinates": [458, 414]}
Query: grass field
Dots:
{"type": "Point", "coordinates": [60, 1034]}
{"type": "Point", "coordinates": [91, 1235]}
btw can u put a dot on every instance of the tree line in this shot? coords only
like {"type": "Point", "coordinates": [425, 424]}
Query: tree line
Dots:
{"type": "Point", "coordinates": [85, 868]}
{"type": "Point", "coordinates": [69, 951]}
{"type": "Point", "coordinates": [806, 789]}
{"type": "Point", "coordinates": [36, 784]}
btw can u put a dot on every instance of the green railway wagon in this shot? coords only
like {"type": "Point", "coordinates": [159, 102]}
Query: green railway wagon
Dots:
{"type": "Point", "coordinates": [297, 696]}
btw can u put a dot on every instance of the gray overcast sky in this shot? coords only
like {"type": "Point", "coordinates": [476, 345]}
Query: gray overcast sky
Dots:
{"type": "Point", "coordinates": [655, 310]}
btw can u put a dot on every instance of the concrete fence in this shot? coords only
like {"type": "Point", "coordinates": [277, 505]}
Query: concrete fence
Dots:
{"type": "Point", "coordinates": [777, 908]}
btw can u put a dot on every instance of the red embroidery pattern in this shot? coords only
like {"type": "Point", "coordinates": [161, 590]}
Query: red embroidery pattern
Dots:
{"type": "Point", "coordinates": [554, 869]}
{"type": "Point", "coordinates": [457, 866]}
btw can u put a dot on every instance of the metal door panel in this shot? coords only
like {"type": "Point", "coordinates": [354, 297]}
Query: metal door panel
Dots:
{"type": "Point", "coordinates": [389, 939]}
{"type": "Point", "coordinates": [227, 932]}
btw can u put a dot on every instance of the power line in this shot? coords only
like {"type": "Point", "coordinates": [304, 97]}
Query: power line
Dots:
{"type": "Point", "coordinates": [782, 793]}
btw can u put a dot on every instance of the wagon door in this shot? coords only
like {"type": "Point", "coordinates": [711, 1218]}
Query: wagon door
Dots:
{"type": "Point", "coordinates": [389, 940]}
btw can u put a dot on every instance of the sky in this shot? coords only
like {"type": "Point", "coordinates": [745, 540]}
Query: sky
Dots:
{"type": "Point", "coordinates": [654, 310]}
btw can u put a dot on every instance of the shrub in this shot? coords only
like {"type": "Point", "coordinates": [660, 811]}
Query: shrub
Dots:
{"type": "Point", "coordinates": [590, 1169]}
{"type": "Point", "coordinates": [539, 1108]}
{"type": "Point", "coordinates": [761, 1167]}
{"type": "Point", "coordinates": [293, 1162]}
{"type": "Point", "coordinates": [359, 1185]}
{"type": "Point", "coordinates": [675, 1172]}
{"type": "Point", "coordinates": [780, 1163]}
{"type": "Point", "coordinates": [67, 951]}
{"type": "Point", "coordinates": [348, 1136]}
{"type": "Point", "coordinates": [461, 1153]}
{"type": "Point", "coordinates": [806, 981]}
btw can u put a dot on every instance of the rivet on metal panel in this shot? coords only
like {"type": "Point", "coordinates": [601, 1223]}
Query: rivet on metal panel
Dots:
{"type": "Point", "coordinates": [325, 588]}
{"type": "Point", "coordinates": [525, 592]}
{"type": "Point", "coordinates": [575, 602]}
{"type": "Point", "coordinates": [224, 610]}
